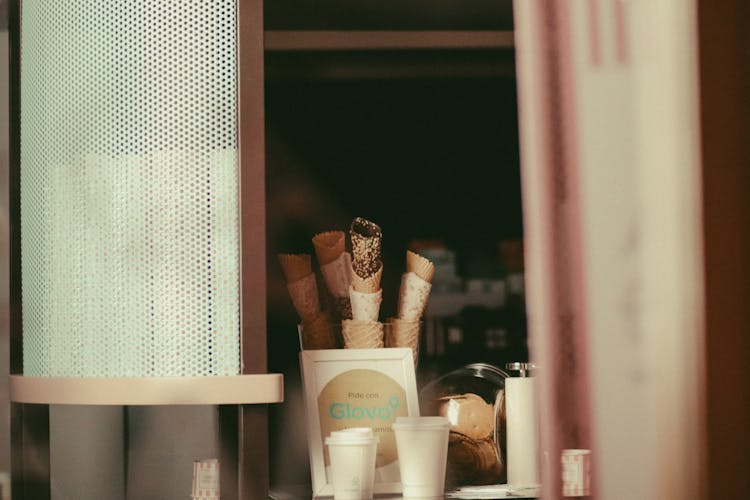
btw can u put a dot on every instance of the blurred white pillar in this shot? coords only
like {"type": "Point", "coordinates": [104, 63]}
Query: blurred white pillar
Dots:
{"type": "Point", "coordinates": [611, 166]}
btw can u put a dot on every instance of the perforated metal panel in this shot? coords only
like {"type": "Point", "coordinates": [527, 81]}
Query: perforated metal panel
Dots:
{"type": "Point", "coordinates": [129, 209]}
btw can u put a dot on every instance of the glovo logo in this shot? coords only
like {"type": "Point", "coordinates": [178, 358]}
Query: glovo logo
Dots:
{"type": "Point", "coordinates": [342, 411]}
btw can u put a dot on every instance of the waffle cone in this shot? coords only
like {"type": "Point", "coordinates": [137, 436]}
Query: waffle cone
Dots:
{"type": "Point", "coordinates": [412, 296]}
{"type": "Point", "coordinates": [337, 275]}
{"type": "Point", "coordinates": [304, 294]}
{"type": "Point", "coordinates": [365, 306]}
{"type": "Point", "coordinates": [403, 333]}
{"type": "Point", "coordinates": [317, 332]}
{"type": "Point", "coordinates": [295, 266]}
{"type": "Point", "coordinates": [420, 266]}
{"type": "Point", "coordinates": [367, 240]}
{"type": "Point", "coordinates": [329, 245]}
{"type": "Point", "coordinates": [362, 334]}
{"type": "Point", "coordinates": [367, 285]}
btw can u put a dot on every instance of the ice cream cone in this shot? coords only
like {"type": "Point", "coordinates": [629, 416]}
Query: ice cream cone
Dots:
{"type": "Point", "coordinates": [343, 307]}
{"type": "Point", "coordinates": [329, 246]}
{"type": "Point", "coordinates": [337, 275]}
{"type": "Point", "coordinates": [420, 266]}
{"type": "Point", "coordinates": [412, 297]}
{"type": "Point", "coordinates": [367, 240]}
{"type": "Point", "coordinates": [295, 266]}
{"type": "Point", "coordinates": [365, 306]}
{"type": "Point", "coordinates": [367, 285]}
{"type": "Point", "coordinates": [317, 332]}
{"type": "Point", "coordinates": [403, 333]}
{"type": "Point", "coordinates": [362, 334]}
{"type": "Point", "coordinates": [304, 294]}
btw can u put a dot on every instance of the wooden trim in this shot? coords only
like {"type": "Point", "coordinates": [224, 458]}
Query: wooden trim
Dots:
{"type": "Point", "coordinates": [242, 389]}
{"type": "Point", "coordinates": [724, 36]}
{"type": "Point", "coordinates": [254, 459]}
{"type": "Point", "coordinates": [289, 40]}
{"type": "Point", "coordinates": [251, 138]}
{"type": "Point", "coordinates": [251, 424]}
{"type": "Point", "coordinates": [244, 446]}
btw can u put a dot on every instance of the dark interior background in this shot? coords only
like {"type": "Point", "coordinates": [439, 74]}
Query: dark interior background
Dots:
{"type": "Point", "coordinates": [389, 14]}
{"type": "Point", "coordinates": [425, 159]}
{"type": "Point", "coordinates": [424, 143]}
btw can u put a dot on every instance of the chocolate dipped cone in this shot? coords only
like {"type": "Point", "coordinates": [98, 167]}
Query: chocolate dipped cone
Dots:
{"type": "Point", "coordinates": [295, 266]}
{"type": "Point", "coordinates": [370, 284]}
{"type": "Point", "coordinates": [413, 296]}
{"type": "Point", "coordinates": [420, 266]}
{"type": "Point", "coordinates": [367, 240]}
{"type": "Point", "coordinates": [362, 334]}
{"type": "Point", "coordinates": [329, 246]}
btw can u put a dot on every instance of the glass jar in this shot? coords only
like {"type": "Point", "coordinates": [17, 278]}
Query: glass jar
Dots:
{"type": "Point", "coordinates": [473, 400]}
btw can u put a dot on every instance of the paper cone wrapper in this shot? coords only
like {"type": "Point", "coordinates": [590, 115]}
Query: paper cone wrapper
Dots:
{"type": "Point", "coordinates": [362, 334]}
{"type": "Point", "coordinates": [412, 297]}
{"type": "Point", "coordinates": [367, 240]}
{"type": "Point", "coordinates": [420, 266]}
{"type": "Point", "coordinates": [317, 332]}
{"type": "Point", "coordinates": [295, 266]}
{"type": "Point", "coordinates": [368, 285]}
{"type": "Point", "coordinates": [329, 246]}
{"type": "Point", "coordinates": [337, 275]}
{"type": "Point", "coordinates": [365, 306]}
{"type": "Point", "coordinates": [304, 294]}
{"type": "Point", "coordinates": [402, 333]}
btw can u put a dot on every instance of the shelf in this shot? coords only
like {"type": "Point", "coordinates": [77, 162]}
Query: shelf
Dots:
{"type": "Point", "coordinates": [450, 304]}
{"type": "Point", "coordinates": [213, 390]}
{"type": "Point", "coordinates": [376, 14]}
{"type": "Point", "coordinates": [497, 491]}
{"type": "Point", "coordinates": [291, 40]}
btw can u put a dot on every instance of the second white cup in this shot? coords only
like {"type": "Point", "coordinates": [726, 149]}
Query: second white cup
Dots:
{"type": "Point", "coordinates": [352, 452]}
{"type": "Point", "coordinates": [422, 444]}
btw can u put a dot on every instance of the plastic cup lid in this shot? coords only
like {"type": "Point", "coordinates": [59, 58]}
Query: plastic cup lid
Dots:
{"type": "Point", "coordinates": [421, 423]}
{"type": "Point", "coordinates": [355, 435]}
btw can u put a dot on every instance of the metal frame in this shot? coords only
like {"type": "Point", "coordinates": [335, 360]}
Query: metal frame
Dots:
{"type": "Point", "coordinates": [30, 463]}
{"type": "Point", "coordinates": [251, 426]}
{"type": "Point", "coordinates": [723, 36]}
{"type": "Point", "coordinates": [243, 429]}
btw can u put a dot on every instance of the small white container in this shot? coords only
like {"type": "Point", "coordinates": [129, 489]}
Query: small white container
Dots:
{"type": "Point", "coordinates": [206, 479]}
{"type": "Point", "coordinates": [576, 472]}
{"type": "Point", "coordinates": [352, 453]}
{"type": "Point", "coordinates": [422, 444]}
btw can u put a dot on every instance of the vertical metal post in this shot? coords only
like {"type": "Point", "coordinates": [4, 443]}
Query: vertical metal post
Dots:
{"type": "Point", "coordinates": [251, 421]}
{"type": "Point", "coordinates": [30, 464]}
{"type": "Point", "coordinates": [724, 62]}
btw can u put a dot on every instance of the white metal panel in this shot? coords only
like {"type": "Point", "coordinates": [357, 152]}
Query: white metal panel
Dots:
{"type": "Point", "coordinates": [129, 185]}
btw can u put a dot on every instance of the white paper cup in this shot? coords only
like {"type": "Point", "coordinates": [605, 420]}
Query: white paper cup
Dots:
{"type": "Point", "coordinates": [422, 444]}
{"type": "Point", "coordinates": [576, 472]}
{"type": "Point", "coordinates": [352, 453]}
{"type": "Point", "coordinates": [206, 479]}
